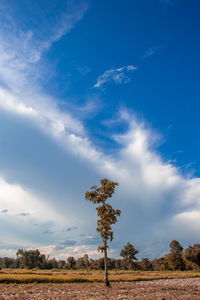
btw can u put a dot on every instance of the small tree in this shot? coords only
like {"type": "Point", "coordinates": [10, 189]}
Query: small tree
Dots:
{"type": "Point", "coordinates": [146, 264]}
{"type": "Point", "coordinates": [83, 262]}
{"type": "Point", "coordinates": [71, 262]}
{"type": "Point", "coordinates": [129, 253]}
{"type": "Point", "coordinates": [107, 215]}
{"type": "Point", "coordinates": [175, 259]}
{"type": "Point", "coordinates": [175, 246]}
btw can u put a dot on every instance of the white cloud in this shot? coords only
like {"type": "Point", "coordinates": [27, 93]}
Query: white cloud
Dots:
{"type": "Point", "coordinates": [21, 210]}
{"type": "Point", "coordinates": [31, 44]}
{"type": "Point", "coordinates": [152, 193]}
{"type": "Point", "coordinates": [75, 251]}
{"type": "Point", "coordinates": [43, 112]}
{"type": "Point", "coordinates": [16, 201]}
{"type": "Point", "coordinates": [20, 90]}
{"type": "Point", "coordinates": [117, 76]}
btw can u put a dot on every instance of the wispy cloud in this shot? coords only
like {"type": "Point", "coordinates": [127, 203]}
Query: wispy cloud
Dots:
{"type": "Point", "coordinates": [48, 231]}
{"type": "Point", "coordinates": [149, 52]}
{"type": "Point", "coordinates": [65, 244]}
{"type": "Point", "coordinates": [23, 214]}
{"type": "Point", "coordinates": [20, 90]}
{"type": "Point", "coordinates": [32, 43]}
{"type": "Point", "coordinates": [68, 229]}
{"type": "Point", "coordinates": [116, 76]}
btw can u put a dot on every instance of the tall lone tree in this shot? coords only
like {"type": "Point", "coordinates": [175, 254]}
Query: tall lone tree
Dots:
{"type": "Point", "coordinates": [107, 215]}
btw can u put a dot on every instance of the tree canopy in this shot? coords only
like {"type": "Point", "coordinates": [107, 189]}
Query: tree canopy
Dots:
{"type": "Point", "coordinates": [129, 252]}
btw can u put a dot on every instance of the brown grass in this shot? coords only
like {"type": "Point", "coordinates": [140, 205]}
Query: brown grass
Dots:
{"type": "Point", "coordinates": [57, 276]}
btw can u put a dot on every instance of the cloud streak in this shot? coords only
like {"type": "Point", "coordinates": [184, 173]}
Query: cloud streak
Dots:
{"type": "Point", "coordinates": [116, 76]}
{"type": "Point", "coordinates": [31, 44]}
{"type": "Point", "coordinates": [149, 52]}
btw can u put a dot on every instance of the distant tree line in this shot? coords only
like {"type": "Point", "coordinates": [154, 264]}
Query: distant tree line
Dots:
{"type": "Point", "coordinates": [176, 259]}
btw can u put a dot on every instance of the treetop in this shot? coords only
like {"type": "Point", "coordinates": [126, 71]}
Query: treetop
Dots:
{"type": "Point", "coordinates": [102, 193]}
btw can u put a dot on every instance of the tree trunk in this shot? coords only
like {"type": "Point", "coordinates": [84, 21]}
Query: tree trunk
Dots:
{"type": "Point", "coordinates": [106, 265]}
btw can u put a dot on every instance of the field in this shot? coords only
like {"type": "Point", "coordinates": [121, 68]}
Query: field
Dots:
{"type": "Point", "coordinates": [33, 284]}
{"type": "Point", "coordinates": [78, 276]}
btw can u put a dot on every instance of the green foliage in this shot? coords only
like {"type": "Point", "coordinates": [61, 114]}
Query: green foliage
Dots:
{"type": "Point", "coordinates": [175, 246]}
{"type": "Point", "coordinates": [128, 264]}
{"type": "Point", "coordinates": [129, 252]}
{"type": "Point", "coordinates": [192, 254]}
{"type": "Point", "coordinates": [174, 260]}
{"type": "Point", "coordinates": [129, 255]}
{"type": "Point", "coordinates": [61, 264]}
{"type": "Point", "coordinates": [52, 263]}
{"type": "Point", "coordinates": [8, 262]}
{"type": "Point", "coordinates": [163, 264]}
{"type": "Point", "coordinates": [83, 262]}
{"type": "Point", "coordinates": [146, 264]}
{"type": "Point", "coordinates": [31, 259]}
{"type": "Point", "coordinates": [71, 262]}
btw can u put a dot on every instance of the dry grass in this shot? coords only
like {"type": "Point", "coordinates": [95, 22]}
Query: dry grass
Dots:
{"type": "Point", "coordinates": [80, 285]}
{"type": "Point", "coordinates": [57, 276]}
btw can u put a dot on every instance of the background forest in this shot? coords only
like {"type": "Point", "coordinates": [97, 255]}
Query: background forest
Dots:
{"type": "Point", "coordinates": [176, 259]}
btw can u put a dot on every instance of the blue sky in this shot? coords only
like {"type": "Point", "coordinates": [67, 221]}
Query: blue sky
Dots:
{"type": "Point", "coordinates": [92, 89]}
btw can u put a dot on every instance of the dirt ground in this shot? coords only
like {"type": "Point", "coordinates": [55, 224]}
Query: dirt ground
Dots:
{"type": "Point", "coordinates": [163, 289]}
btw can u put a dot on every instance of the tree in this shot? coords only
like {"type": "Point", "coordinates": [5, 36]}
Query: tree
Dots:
{"type": "Point", "coordinates": [129, 251]}
{"type": "Point", "coordinates": [107, 215]}
{"type": "Point", "coordinates": [129, 254]}
{"type": "Point", "coordinates": [192, 253]}
{"type": "Point", "coordinates": [71, 262]}
{"type": "Point", "coordinates": [31, 259]}
{"type": "Point", "coordinates": [8, 262]}
{"type": "Point", "coordinates": [83, 262]}
{"type": "Point", "coordinates": [175, 246]}
{"type": "Point", "coordinates": [146, 264]}
{"type": "Point", "coordinates": [61, 264]}
{"type": "Point", "coordinates": [175, 259]}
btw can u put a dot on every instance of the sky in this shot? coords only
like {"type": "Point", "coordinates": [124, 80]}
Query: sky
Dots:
{"type": "Point", "coordinates": [91, 90]}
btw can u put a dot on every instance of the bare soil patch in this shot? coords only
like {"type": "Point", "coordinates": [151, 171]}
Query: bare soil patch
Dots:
{"type": "Point", "coordinates": [187, 288]}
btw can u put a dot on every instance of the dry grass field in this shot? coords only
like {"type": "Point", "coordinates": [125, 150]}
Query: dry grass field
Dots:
{"type": "Point", "coordinates": [80, 276]}
{"type": "Point", "coordinates": [88, 285]}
